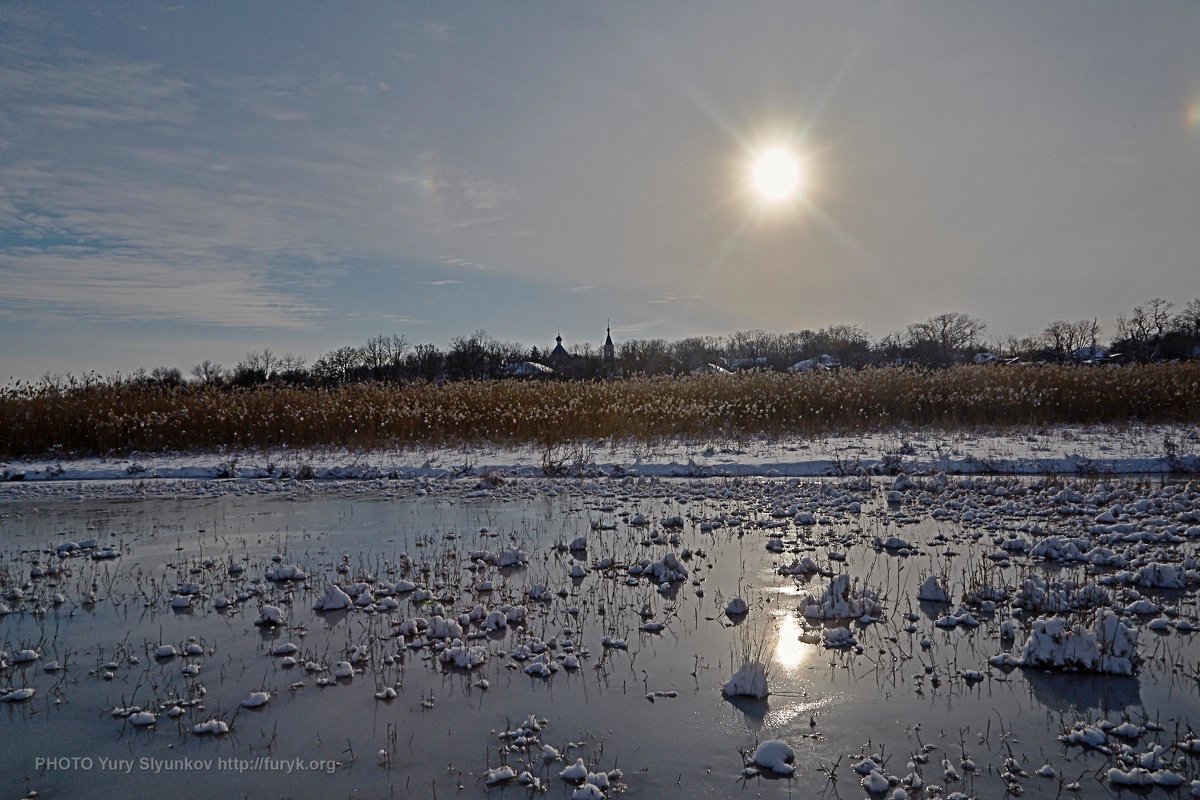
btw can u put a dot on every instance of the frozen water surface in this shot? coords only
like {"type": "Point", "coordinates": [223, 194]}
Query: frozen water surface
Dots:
{"type": "Point", "coordinates": [439, 671]}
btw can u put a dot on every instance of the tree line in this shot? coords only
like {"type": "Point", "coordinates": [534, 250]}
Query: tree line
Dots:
{"type": "Point", "coordinates": [1151, 331]}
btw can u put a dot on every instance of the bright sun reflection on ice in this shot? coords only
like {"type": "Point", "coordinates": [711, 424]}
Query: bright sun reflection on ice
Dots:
{"type": "Point", "coordinates": [790, 652]}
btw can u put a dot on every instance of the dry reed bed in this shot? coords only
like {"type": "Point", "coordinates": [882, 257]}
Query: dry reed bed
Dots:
{"type": "Point", "coordinates": [117, 419]}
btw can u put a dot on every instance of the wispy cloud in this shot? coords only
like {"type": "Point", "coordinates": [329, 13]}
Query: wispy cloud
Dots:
{"type": "Point", "coordinates": [114, 246]}
{"type": "Point", "coordinates": [275, 98]}
{"type": "Point", "coordinates": [484, 196]}
{"type": "Point", "coordinates": [448, 282]}
{"type": "Point", "coordinates": [464, 263]}
{"type": "Point", "coordinates": [394, 319]}
{"type": "Point", "coordinates": [578, 289]}
{"type": "Point", "coordinates": [636, 328]}
{"type": "Point", "coordinates": [676, 300]}
{"type": "Point", "coordinates": [455, 198]}
{"type": "Point", "coordinates": [119, 285]}
{"type": "Point", "coordinates": [74, 89]}
{"type": "Point", "coordinates": [181, 225]}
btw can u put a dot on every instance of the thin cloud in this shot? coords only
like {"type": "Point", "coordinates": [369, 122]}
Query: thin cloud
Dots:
{"type": "Point", "coordinates": [396, 319]}
{"type": "Point", "coordinates": [281, 114]}
{"type": "Point", "coordinates": [454, 261]}
{"type": "Point", "coordinates": [271, 97]}
{"type": "Point", "coordinates": [75, 90]}
{"type": "Point", "coordinates": [635, 328]}
{"type": "Point", "coordinates": [485, 196]}
{"type": "Point", "coordinates": [121, 248]}
{"type": "Point", "coordinates": [675, 300]}
{"type": "Point", "coordinates": [119, 286]}
{"type": "Point", "coordinates": [458, 199]}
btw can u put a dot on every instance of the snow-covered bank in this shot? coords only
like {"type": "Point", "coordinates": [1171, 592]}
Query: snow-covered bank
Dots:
{"type": "Point", "coordinates": [1068, 450]}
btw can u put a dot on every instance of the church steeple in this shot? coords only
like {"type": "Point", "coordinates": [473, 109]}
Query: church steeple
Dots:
{"type": "Point", "coordinates": [610, 351]}
{"type": "Point", "coordinates": [559, 355]}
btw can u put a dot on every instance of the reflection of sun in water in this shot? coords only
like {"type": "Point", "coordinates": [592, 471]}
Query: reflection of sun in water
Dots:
{"type": "Point", "coordinates": [790, 652]}
{"type": "Point", "coordinates": [776, 175]}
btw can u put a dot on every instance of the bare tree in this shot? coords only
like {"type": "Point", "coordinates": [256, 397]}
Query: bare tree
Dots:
{"type": "Point", "coordinates": [1146, 321]}
{"type": "Point", "coordinates": [1005, 346]}
{"type": "Point", "coordinates": [396, 348]}
{"type": "Point", "coordinates": [336, 365]}
{"type": "Point", "coordinates": [1142, 331]}
{"type": "Point", "coordinates": [479, 355]}
{"type": "Point", "coordinates": [259, 365]}
{"type": "Point", "coordinates": [166, 376]}
{"type": "Point", "coordinates": [426, 361]}
{"type": "Point", "coordinates": [1187, 321]}
{"type": "Point", "coordinates": [938, 339]}
{"type": "Point", "coordinates": [1055, 336]}
{"type": "Point", "coordinates": [384, 355]}
{"type": "Point", "coordinates": [748, 344]}
{"type": "Point", "coordinates": [209, 373]}
{"type": "Point", "coordinates": [1064, 339]}
{"type": "Point", "coordinates": [690, 354]}
{"type": "Point", "coordinates": [290, 362]}
{"type": "Point", "coordinates": [1159, 313]}
{"type": "Point", "coordinates": [850, 344]}
{"type": "Point", "coordinates": [644, 356]}
{"type": "Point", "coordinates": [890, 350]}
{"type": "Point", "coordinates": [376, 354]}
{"type": "Point", "coordinates": [53, 382]}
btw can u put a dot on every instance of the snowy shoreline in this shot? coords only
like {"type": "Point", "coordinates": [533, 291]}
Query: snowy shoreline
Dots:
{"type": "Point", "coordinates": [1062, 450]}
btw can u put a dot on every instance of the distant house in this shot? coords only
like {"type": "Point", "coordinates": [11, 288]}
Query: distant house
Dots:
{"type": "Point", "coordinates": [820, 363]}
{"type": "Point", "coordinates": [1090, 355]}
{"type": "Point", "coordinates": [527, 369]}
{"type": "Point", "coordinates": [710, 369]}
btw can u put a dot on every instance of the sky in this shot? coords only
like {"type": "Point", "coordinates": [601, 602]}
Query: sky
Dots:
{"type": "Point", "coordinates": [185, 181]}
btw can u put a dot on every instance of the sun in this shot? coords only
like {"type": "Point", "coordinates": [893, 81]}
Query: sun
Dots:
{"type": "Point", "coordinates": [776, 175]}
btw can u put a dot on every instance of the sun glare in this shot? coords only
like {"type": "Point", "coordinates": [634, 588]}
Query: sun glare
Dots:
{"type": "Point", "coordinates": [776, 175]}
{"type": "Point", "coordinates": [790, 652]}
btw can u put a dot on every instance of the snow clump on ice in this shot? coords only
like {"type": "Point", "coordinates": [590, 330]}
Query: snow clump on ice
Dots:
{"type": "Point", "coordinates": [932, 591]}
{"type": "Point", "coordinates": [1109, 647]}
{"type": "Point", "coordinates": [775, 755]}
{"type": "Point", "coordinates": [749, 681]}
{"type": "Point", "coordinates": [843, 601]}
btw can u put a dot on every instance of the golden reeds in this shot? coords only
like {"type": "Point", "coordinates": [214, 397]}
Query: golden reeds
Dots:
{"type": "Point", "coordinates": [123, 418]}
